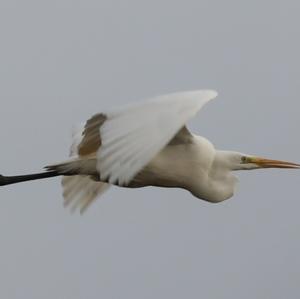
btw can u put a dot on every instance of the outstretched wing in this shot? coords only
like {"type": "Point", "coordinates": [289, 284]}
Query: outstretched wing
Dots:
{"type": "Point", "coordinates": [133, 135]}
{"type": "Point", "coordinates": [91, 139]}
{"type": "Point", "coordinates": [80, 191]}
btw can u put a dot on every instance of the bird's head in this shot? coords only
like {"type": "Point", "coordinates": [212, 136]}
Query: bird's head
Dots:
{"type": "Point", "coordinates": [258, 162]}
{"type": "Point", "coordinates": [239, 161]}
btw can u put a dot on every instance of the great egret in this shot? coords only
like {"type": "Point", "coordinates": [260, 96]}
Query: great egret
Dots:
{"type": "Point", "coordinates": [148, 144]}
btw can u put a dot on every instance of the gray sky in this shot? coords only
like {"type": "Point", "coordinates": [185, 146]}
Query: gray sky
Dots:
{"type": "Point", "coordinates": [62, 61]}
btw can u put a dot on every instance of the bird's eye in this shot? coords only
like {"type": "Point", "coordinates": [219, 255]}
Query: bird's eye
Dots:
{"type": "Point", "coordinates": [244, 159]}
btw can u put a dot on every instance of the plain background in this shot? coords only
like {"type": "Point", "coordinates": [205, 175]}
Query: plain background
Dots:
{"type": "Point", "coordinates": [61, 61]}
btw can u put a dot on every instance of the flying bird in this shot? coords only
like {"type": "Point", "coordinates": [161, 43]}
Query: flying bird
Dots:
{"type": "Point", "coordinates": [148, 144]}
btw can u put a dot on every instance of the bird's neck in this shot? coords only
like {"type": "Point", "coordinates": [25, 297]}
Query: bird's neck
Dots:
{"type": "Point", "coordinates": [216, 188]}
{"type": "Point", "coordinates": [228, 160]}
{"type": "Point", "coordinates": [221, 181]}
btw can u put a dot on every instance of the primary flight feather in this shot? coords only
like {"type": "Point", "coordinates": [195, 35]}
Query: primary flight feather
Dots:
{"type": "Point", "coordinates": [148, 144]}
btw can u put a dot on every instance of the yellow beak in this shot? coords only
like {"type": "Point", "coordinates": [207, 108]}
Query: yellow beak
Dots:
{"type": "Point", "coordinates": [267, 163]}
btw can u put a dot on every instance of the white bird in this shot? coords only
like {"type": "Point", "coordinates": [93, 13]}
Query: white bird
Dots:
{"type": "Point", "coordinates": [148, 144]}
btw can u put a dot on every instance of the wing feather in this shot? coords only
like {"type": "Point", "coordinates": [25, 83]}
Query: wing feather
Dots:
{"type": "Point", "coordinates": [80, 191]}
{"type": "Point", "coordinates": [91, 139]}
{"type": "Point", "coordinates": [133, 135]}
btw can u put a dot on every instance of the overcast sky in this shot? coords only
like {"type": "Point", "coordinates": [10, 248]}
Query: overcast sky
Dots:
{"type": "Point", "coordinates": [62, 61]}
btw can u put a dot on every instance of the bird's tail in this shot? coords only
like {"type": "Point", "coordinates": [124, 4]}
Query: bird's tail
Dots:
{"type": "Point", "coordinates": [79, 191]}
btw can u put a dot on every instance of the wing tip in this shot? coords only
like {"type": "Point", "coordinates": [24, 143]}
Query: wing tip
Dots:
{"type": "Point", "coordinates": [211, 93]}
{"type": "Point", "coordinates": [203, 94]}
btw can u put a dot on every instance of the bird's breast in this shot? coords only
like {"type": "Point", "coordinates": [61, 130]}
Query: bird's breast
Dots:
{"type": "Point", "coordinates": [183, 166]}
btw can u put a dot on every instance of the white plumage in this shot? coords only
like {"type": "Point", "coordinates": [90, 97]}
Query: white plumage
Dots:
{"type": "Point", "coordinates": [132, 136]}
{"type": "Point", "coordinates": [79, 191]}
{"type": "Point", "coordinates": [148, 144]}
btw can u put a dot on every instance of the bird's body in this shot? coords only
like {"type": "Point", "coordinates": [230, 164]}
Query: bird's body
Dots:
{"type": "Point", "coordinates": [188, 166]}
{"type": "Point", "coordinates": [148, 144]}
{"type": "Point", "coordinates": [177, 165]}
